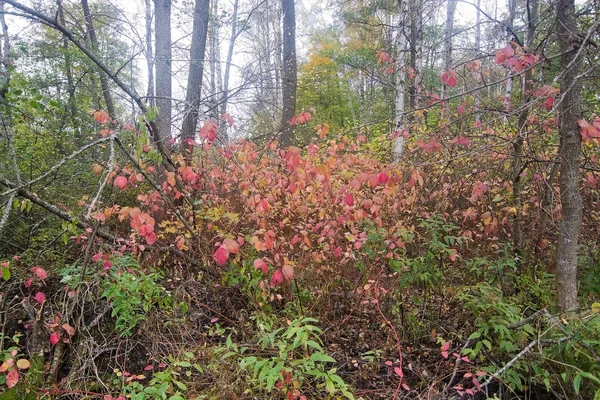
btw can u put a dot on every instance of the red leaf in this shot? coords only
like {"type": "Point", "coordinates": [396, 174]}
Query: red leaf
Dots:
{"type": "Point", "coordinates": [461, 141]}
{"type": "Point", "coordinates": [260, 264]}
{"type": "Point", "coordinates": [121, 182]}
{"type": "Point", "coordinates": [54, 338]}
{"type": "Point", "coordinates": [39, 272]}
{"type": "Point", "coordinates": [209, 131]}
{"type": "Point", "coordinates": [277, 278]}
{"type": "Point", "coordinates": [12, 378]}
{"type": "Point", "coordinates": [383, 178]}
{"type": "Point", "coordinates": [398, 371]}
{"type": "Point", "coordinates": [40, 297]}
{"type": "Point", "coordinates": [549, 103]}
{"type": "Point", "coordinates": [97, 256]}
{"type": "Point", "coordinates": [221, 256]}
{"type": "Point", "coordinates": [348, 199]}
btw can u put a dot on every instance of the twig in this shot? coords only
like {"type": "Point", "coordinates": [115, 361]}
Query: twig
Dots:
{"type": "Point", "coordinates": [529, 319]}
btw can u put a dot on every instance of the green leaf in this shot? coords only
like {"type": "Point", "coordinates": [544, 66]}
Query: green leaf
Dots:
{"type": "Point", "coordinates": [5, 274]}
{"type": "Point", "coordinates": [474, 335]}
{"type": "Point", "coordinates": [180, 385]}
{"type": "Point", "coordinates": [183, 364]}
{"type": "Point", "coordinates": [577, 382]}
{"type": "Point", "coordinates": [322, 357]}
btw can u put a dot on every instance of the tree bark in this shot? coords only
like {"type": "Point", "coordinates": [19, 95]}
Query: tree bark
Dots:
{"type": "Point", "coordinates": [478, 49]}
{"type": "Point", "coordinates": [570, 152]}
{"type": "Point", "coordinates": [110, 107]}
{"type": "Point", "coordinates": [149, 54]}
{"type": "Point", "coordinates": [400, 106]}
{"type": "Point", "coordinates": [289, 75]}
{"type": "Point", "coordinates": [519, 141]}
{"type": "Point", "coordinates": [448, 34]}
{"type": "Point", "coordinates": [225, 95]}
{"type": "Point", "coordinates": [194, 84]}
{"type": "Point", "coordinates": [68, 69]}
{"type": "Point", "coordinates": [163, 59]}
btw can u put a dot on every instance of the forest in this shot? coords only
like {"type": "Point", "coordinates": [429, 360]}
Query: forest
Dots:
{"type": "Point", "coordinates": [280, 199]}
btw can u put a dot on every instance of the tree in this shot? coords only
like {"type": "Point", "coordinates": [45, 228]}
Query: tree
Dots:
{"type": "Point", "coordinates": [569, 113]}
{"type": "Point", "coordinates": [289, 73]}
{"type": "Point", "coordinates": [401, 48]}
{"type": "Point", "coordinates": [194, 85]}
{"type": "Point", "coordinates": [91, 33]}
{"type": "Point", "coordinates": [163, 60]}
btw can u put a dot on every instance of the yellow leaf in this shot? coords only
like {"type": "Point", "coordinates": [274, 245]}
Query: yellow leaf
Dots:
{"type": "Point", "coordinates": [23, 364]}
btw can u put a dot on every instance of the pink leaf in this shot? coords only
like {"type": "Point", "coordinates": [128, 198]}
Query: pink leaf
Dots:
{"type": "Point", "coordinates": [148, 367]}
{"type": "Point", "coordinates": [40, 297]}
{"type": "Point", "coordinates": [221, 256]}
{"type": "Point", "coordinates": [405, 387]}
{"type": "Point", "coordinates": [445, 354]}
{"type": "Point", "coordinates": [446, 346]}
{"type": "Point", "coordinates": [97, 256]}
{"type": "Point", "coordinates": [69, 329]}
{"type": "Point", "coordinates": [277, 278]}
{"type": "Point", "coordinates": [232, 246]}
{"type": "Point", "coordinates": [121, 182]}
{"type": "Point", "coordinates": [54, 338]}
{"type": "Point", "coordinates": [349, 200]}
{"type": "Point", "coordinates": [151, 238]}
{"type": "Point", "coordinates": [260, 264]}
{"type": "Point", "coordinates": [288, 272]}
{"type": "Point", "coordinates": [12, 378]}
{"type": "Point", "coordinates": [399, 372]}
{"type": "Point", "coordinates": [39, 272]}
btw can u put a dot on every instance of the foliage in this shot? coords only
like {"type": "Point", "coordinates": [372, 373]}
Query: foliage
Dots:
{"type": "Point", "coordinates": [297, 356]}
{"type": "Point", "coordinates": [132, 293]}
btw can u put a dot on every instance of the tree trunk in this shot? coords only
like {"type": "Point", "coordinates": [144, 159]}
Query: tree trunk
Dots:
{"type": "Point", "coordinates": [110, 107]}
{"type": "Point", "coordinates": [194, 84]}
{"type": "Point", "coordinates": [509, 82]}
{"type": "Point", "coordinates": [400, 108]}
{"type": "Point", "coordinates": [225, 95]}
{"type": "Point", "coordinates": [163, 58]}
{"type": "Point", "coordinates": [214, 62]}
{"type": "Point", "coordinates": [69, 72]}
{"type": "Point", "coordinates": [289, 74]}
{"type": "Point", "coordinates": [478, 49]}
{"type": "Point", "coordinates": [448, 33]}
{"type": "Point", "coordinates": [416, 50]}
{"type": "Point", "coordinates": [570, 152]}
{"type": "Point", "coordinates": [527, 89]}
{"type": "Point", "coordinates": [149, 54]}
